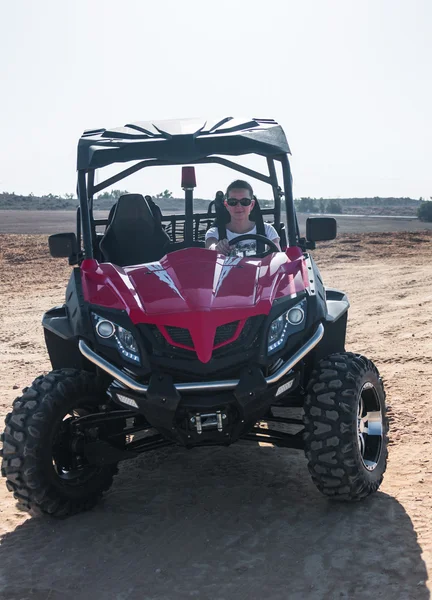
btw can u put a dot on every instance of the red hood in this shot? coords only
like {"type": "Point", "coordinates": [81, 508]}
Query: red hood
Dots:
{"type": "Point", "coordinates": [195, 288]}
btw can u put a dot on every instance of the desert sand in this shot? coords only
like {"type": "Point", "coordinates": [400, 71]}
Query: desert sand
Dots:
{"type": "Point", "coordinates": [243, 522]}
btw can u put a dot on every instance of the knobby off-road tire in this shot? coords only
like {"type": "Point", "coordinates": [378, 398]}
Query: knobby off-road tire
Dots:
{"type": "Point", "coordinates": [34, 435]}
{"type": "Point", "coordinates": [346, 427]}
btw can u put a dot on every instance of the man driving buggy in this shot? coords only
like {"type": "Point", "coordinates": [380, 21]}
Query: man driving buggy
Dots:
{"type": "Point", "coordinates": [239, 202]}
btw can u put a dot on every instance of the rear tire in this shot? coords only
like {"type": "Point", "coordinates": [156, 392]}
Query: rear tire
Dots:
{"type": "Point", "coordinates": [36, 447]}
{"type": "Point", "coordinates": [346, 427]}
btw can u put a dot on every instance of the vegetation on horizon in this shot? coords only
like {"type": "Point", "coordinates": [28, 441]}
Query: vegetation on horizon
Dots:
{"type": "Point", "coordinates": [104, 201]}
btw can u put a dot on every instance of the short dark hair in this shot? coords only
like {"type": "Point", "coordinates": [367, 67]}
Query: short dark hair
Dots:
{"type": "Point", "coordinates": [239, 184]}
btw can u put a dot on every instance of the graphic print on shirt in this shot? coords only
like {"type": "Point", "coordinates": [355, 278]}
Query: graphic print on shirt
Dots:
{"type": "Point", "coordinates": [247, 248]}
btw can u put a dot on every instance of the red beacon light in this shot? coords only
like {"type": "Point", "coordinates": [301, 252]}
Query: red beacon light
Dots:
{"type": "Point", "coordinates": [188, 181]}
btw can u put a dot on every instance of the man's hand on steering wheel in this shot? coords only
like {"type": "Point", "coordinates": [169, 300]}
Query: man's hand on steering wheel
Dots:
{"type": "Point", "coordinates": [223, 247]}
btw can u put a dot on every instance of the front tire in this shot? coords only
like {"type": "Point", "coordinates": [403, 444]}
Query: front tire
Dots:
{"type": "Point", "coordinates": [346, 427]}
{"type": "Point", "coordinates": [40, 466]}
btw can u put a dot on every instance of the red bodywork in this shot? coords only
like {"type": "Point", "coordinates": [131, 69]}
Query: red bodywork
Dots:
{"type": "Point", "coordinates": [196, 289]}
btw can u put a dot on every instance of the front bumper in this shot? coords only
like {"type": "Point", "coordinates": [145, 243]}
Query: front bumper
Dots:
{"type": "Point", "coordinates": [207, 386]}
{"type": "Point", "coordinates": [181, 413]}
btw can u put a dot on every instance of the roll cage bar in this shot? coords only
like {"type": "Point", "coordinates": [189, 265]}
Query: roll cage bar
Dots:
{"type": "Point", "coordinates": [86, 189]}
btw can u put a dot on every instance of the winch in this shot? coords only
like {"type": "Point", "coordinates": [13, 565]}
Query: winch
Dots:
{"type": "Point", "coordinates": [208, 421]}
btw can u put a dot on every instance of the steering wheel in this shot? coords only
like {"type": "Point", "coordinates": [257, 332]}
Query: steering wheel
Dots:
{"type": "Point", "coordinates": [258, 238]}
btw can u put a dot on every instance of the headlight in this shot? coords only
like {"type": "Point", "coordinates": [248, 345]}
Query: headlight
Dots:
{"type": "Point", "coordinates": [287, 323]}
{"type": "Point", "coordinates": [127, 340]}
{"type": "Point", "coordinates": [295, 315]}
{"type": "Point", "coordinates": [105, 329]}
{"type": "Point", "coordinates": [277, 329]}
{"type": "Point", "coordinates": [115, 336]}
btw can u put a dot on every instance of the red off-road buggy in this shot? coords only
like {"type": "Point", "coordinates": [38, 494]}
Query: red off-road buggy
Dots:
{"type": "Point", "coordinates": [161, 341]}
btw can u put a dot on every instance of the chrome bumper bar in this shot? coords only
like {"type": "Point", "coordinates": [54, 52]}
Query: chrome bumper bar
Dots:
{"type": "Point", "coordinates": [200, 386]}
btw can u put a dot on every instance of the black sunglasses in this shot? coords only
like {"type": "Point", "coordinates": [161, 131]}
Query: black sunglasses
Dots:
{"type": "Point", "coordinates": [235, 201]}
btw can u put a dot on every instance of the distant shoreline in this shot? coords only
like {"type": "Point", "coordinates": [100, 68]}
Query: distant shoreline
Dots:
{"type": "Point", "coordinates": [381, 206]}
{"type": "Point", "coordinates": [356, 216]}
{"type": "Point", "coordinates": [179, 212]}
{"type": "Point", "coordinates": [61, 221]}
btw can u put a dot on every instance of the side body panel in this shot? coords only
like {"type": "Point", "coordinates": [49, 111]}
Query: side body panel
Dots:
{"type": "Point", "coordinates": [62, 326]}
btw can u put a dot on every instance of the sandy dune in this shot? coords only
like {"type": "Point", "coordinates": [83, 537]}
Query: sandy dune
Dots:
{"type": "Point", "coordinates": [244, 522]}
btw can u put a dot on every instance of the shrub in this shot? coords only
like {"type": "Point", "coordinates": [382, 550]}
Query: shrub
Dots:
{"type": "Point", "coordinates": [334, 207]}
{"type": "Point", "coordinates": [307, 205]}
{"type": "Point", "coordinates": [424, 211]}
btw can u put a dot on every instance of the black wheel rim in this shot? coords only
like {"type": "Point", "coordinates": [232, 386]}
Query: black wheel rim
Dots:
{"type": "Point", "coordinates": [370, 428]}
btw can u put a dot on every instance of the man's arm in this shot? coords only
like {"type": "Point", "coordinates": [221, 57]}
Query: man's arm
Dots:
{"type": "Point", "coordinates": [277, 242]}
{"type": "Point", "coordinates": [211, 241]}
{"type": "Point", "coordinates": [272, 235]}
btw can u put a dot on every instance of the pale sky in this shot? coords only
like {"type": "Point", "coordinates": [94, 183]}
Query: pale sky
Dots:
{"type": "Point", "coordinates": [350, 81]}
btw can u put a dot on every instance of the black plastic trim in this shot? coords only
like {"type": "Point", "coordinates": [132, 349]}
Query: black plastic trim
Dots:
{"type": "Point", "coordinates": [57, 321]}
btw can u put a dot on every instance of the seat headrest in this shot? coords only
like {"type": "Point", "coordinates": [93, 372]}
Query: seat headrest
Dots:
{"type": "Point", "coordinates": [132, 211]}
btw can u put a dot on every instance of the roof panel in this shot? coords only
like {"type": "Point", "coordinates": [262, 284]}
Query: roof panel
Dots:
{"type": "Point", "coordinates": [180, 127]}
{"type": "Point", "coordinates": [181, 141]}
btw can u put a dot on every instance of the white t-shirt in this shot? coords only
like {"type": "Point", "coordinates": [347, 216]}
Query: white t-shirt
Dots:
{"type": "Point", "coordinates": [247, 245]}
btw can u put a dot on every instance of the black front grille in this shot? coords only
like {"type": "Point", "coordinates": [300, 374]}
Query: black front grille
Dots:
{"type": "Point", "coordinates": [245, 341]}
{"type": "Point", "coordinates": [160, 346]}
{"type": "Point", "coordinates": [225, 332]}
{"type": "Point", "coordinates": [236, 352]}
{"type": "Point", "coordinates": [180, 335]}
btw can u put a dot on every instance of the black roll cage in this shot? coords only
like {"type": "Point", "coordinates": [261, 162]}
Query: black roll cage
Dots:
{"type": "Point", "coordinates": [86, 189]}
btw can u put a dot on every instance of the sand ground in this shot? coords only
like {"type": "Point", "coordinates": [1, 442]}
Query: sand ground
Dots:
{"type": "Point", "coordinates": [244, 522]}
